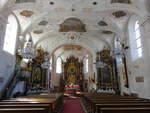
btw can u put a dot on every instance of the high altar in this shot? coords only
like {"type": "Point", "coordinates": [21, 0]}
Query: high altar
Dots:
{"type": "Point", "coordinates": [73, 74]}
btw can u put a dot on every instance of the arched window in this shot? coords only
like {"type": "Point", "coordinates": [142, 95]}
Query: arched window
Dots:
{"type": "Point", "coordinates": [86, 65]}
{"type": "Point", "coordinates": [51, 64]}
{"type": "Point", "coordinates": [135, 40]}
{"type": "Point", "coordinates": [59, 65]}
{"type": "Point", "coordinates": [11, 35]}
{"type": "Point", "coordinates": [118, 45]}
{"type": "Point", "coordinates": [138, 39]}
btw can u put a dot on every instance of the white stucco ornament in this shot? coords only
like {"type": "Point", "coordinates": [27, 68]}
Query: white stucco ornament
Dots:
{"type": "Point", "coordinates": [73, 36]}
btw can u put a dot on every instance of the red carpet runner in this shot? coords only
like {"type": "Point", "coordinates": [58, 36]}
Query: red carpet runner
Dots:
{"type": "Point", "coordinates": [72, 105]}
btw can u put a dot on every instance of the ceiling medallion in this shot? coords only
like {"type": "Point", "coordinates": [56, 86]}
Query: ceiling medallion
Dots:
{"type": "Point", "coordinates": [26, 13]}
{"type": "Point", "coordinates": [119, 14]}
{"type": "Point", "coordinates": [38, 31]}
{"type": "Point", "coordinates": [43, 23]}
{"type": "Point", "coordinates": [102, 23]}
{"type": "Point", "coordinates": [72, 24]}
{"type": "Point", "coordinates": [73, 36]}
{"type": "Point", "coordinates": [107, 32]}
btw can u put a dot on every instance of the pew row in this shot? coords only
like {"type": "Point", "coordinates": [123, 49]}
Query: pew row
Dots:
{"type": "Point", "coordinates": [96, 102]}
{"type": "Point", "coordinates": [47, 103]}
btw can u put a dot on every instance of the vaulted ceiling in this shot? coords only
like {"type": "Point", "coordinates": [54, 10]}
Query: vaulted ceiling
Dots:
{"type": "Point", "coordinates": [93, 22]}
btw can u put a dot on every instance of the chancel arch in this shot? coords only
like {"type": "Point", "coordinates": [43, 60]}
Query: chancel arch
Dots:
{"type": "Point", "coordinates": [72, 65]}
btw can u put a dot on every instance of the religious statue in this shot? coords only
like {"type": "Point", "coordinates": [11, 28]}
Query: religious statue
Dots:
{"type": "Point", "coordinates": [71, 79]}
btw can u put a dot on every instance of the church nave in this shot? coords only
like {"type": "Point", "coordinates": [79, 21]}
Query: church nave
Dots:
{"type": "Point", "coordinates": [69, 56]}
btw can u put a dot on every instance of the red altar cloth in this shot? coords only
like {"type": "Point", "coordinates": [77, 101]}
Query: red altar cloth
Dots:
{"type": "Point", "coordinates": [72, 89]}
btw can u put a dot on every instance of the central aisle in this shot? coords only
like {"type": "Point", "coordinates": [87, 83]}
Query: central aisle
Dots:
{"type": "Point", "coordinates": [72, 105]}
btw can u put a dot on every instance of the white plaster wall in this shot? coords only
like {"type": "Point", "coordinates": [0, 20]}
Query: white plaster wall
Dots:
{"type": "Point", "coordinates": [2, 3]}
{"type": "Point", "coordinates": [55, 78]}
{"type": "Point", "coordinates": [140, 68]}
{"type": "Point", "coordinates": [20, 87]}
{"type": "Point", "coordinates": [7, 61]}
{"type": "Point", "coordinates": [7, 64]}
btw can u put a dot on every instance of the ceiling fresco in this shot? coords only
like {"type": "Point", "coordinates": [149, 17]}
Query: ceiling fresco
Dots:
{"type": "Point", "coordinates": [72, 24]}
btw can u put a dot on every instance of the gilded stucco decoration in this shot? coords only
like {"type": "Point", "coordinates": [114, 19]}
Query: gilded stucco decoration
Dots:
{"type": "Point", "coordinates": [119, 14]}
{"type": "Point", "coordinates": [72, 47]}
{"type": "Point", "coordinates": [27, 13]}
{"type": "Point", "coordinates": [73, 36]}
{"type": "Point", "coordinates": [72, 24]}
{"type": "Point", "coordinates": [107, 32]}
{"type": "Point", "coordinates": [102, 23]}
{"type": "Point", "coordinates": [38, 31]}
{"type": "Point", "coordinates": [43, 23]}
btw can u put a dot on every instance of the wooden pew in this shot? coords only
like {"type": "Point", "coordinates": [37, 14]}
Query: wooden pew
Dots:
{"type": "Point", "coordinates": [96, 102]}
{"type": "Point", "coordinates": [23, 110]}
{"type": "Point", "coordinates": [130, 105]}
{"type": "Point", "coordinates": [45, 106]}
{"type": "Point", "coordinates": [53, 103]}
{"type": "Point", "coordinates": [126, 110]}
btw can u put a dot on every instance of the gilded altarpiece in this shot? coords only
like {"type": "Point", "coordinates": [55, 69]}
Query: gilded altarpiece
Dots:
{"type": "Point", "coordinates": [73, 72]}
{"type": "Point", "coordinates": [106, 73]}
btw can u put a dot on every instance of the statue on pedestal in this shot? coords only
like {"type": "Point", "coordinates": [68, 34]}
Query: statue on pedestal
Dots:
{"type": "Point", "coordinates": [71, 79]}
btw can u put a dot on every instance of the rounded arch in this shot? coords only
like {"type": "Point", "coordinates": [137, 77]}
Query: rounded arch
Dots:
{"type": "Point", "coordinates": [83, 37]}
{"type": "Point", "coordinates": [93, 53]}
{"type": "Point", "coordinates": [19, 26]}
